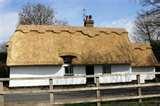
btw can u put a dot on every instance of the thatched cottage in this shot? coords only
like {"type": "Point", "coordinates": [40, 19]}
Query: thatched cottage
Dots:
{"type": "Point", "coordinates": [47, 51]}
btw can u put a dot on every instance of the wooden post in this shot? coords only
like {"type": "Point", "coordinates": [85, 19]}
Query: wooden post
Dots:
{"type": "Point", "coordinates": [139, 89]}
{"type": "Point", "coordinates": [51, 88]}
{"type": "Point", "coordinates": [98, 91]}
{"type": "Point", "coordinates": [1, 95]}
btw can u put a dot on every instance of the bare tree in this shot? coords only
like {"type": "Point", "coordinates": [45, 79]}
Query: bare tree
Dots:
{"type": "Point", "coordinates": [150, 3]}
{"type": "Point", "coordinates": [4, 70]}
{"type": "Point", "coordinates": [147, 24]}
{"type": "Point", "coordinates": [3, 47]}
{"type": "Point", "coordinates": [38, 14]}
{"type": "Point", "coordinates": [60, 22]}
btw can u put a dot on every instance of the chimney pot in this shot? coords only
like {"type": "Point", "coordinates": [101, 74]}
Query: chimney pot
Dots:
{"type": "Point", "coordinates": [88, 22]}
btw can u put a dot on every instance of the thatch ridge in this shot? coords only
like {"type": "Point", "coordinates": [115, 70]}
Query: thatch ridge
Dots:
{"type": "Point", "coordinates": [70, 29]}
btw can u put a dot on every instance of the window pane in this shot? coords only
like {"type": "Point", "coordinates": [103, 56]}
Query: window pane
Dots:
{"type": "Point", "coordinates": [68, 70]}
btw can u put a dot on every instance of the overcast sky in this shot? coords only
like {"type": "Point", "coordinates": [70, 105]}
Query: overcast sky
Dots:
{"type": "Point", "coordinates": [106, 13]}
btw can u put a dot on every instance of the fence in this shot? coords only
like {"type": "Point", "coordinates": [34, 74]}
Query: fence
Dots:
{"type": "Point", "coordinates": [96, 88]}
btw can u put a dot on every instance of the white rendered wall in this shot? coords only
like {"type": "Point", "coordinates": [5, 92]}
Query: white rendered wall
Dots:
{"type": "Point", "coordinates": [143, 77]}
{"type": "Point", "coordinates": [44, 71]}
{"type": "Point", "coordinates": [51, 71]}
{"type": "Point", "coordinates": [118, 74]}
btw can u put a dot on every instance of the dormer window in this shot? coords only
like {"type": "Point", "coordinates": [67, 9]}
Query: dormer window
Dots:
{"type": "Point", "coordinates": [67, 59]}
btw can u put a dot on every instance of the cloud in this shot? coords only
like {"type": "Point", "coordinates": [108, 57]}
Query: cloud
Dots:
{"type": "Point", "coordinates": [8, 22]}
{"type": "Point", "coordinates": [126, 23]}
{"type": "Point", "coordinates": [3, 4]}
{"type": "Point", "coordinates": [2, 1]}
{"type": "Point", "coordinates": [122, 23]}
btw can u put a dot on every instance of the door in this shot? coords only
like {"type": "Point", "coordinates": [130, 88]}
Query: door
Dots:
{"type": "Point", "coordinates": [90, 71]}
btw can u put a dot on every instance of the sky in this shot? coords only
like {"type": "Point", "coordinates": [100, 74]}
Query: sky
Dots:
{"type": "Point", "coordinates": [106, 13]}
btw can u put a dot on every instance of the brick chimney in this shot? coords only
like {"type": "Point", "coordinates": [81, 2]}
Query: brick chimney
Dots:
{"type": "Point", "coordinates": [88, 22]}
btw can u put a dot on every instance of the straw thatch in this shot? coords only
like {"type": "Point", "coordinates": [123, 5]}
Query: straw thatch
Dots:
{"type": "Point", "coordinates": [43, 45]}
{"type": "Point", "coordinates": [143, 55]}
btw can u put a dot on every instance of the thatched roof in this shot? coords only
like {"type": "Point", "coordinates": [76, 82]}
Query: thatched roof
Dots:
{"type": "Point", "coordinates": [43, 45]}
{"type": "Point", "coordinates": [143, 55]}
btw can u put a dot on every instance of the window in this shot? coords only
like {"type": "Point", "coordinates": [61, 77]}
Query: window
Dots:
{"type": "Point", "coordinates": [68, 70]}
{"type": "Point", "coordinates": [68, 65]}
{"type": "Point", "coordinates": [106, 68]}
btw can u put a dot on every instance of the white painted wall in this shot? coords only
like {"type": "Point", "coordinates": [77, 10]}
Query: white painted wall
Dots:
{"type": "Point", "coordinates": [44, 71]}
{"type": "Point", "coordinates": [116, 74]}
{"type": "Point", "coordinates": [144, 76]}
{"type": "Point", "coordinates": [79, 70]}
